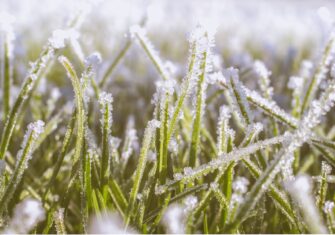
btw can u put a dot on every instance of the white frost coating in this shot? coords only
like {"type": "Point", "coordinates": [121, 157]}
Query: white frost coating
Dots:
{"type": "Point", "coordinates": [6, 26]}
{"type": "Point", "coordinates": [174, 219]}
{"type": "Point", "coordinates": [215, 78]}
{"type": "Point", "coordinates": [130, 141]}
{"type": "Point", "coordinates": [326, 168]}
{"type": "Point", "coordinates": [301, 191]}
{"type": "Point", "coordinates": [222, 160]}
{"type": "Point", "coordinates": [328, 207]}
{"type": "Point", "coordinates": [238, 95]}
{"type": "Point", "coordinates": [153, 124]}
{"type": "Point", "coordinates": [26, 216]}
{"type": "Point", "coordinates": [166, 86]}
{"type": "Point", "coordinates": [306, 69]}
{"type": "Point", "coordinates": [111, 223]}
{"type": "Point", "coordinates": [295, 83]}
{"type": "Point", "coordinates": [223, 129]}
{"type": "Point", "coordinates": [37, 128]}
{"type": "Point", "coordinates": [190, 203]}
{"type": "Point", "coordinates": [140, 34]}
{"type": "Point", "coordinates": [264, 81]}
{"type": "Point", "coordinates": [261, 70]}
{"type": "Point", "coordinates": [287, 168]}
{"type": "Point", "coordinates": [105, 98]}
{"type": "Point", "coordinates": [270, 106]}
{"type": "Point", "coordinates": [60, 36]}
{"type": "Point", "coordinates": [230, 73]}
{"type": "Point", "coordinates": [93, 60]}
{"type": "Point", "coordinates": [240, 185]}
{"type": "Point", "coordinates": [34, 129]}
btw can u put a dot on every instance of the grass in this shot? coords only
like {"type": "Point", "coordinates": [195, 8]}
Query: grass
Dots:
{"type": "Point", "coordinates": [204, 153]}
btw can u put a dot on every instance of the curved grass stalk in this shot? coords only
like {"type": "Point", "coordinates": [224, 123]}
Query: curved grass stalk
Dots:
{"type": "Point", "coordinates": [114, 63]}
{"type": "Point", "coordinates": [184, 92]}
{"type": "Point", "coordinates": [318, 108]}
{"type": "Point", "coordinates": [163, 141]}
{"type": "Point", "coordinates": [80, 113]}
{"type": "Point", "coordinates": [140, 34]}
{"type": "Point", "coordinates": [221, 161]}
{"type": "Point", "coordinates": [148, 134]}
{"type": "Point", "coordinates": [23, 156]}
{"type": "Point", "coordinates": [319, 74]}
{"type": "Point", "coordinates": [25, 91]}
{"type": "Point", "coordinates": [105, 101]}
{"type": "Point", "coordinates": [59, 221]}
{"type": "Point", "coordinates": [238, 93]}
{"type": "Point", "coordinates": [8, 71]}
{"type": "Point", "coordinates": [64, 150]}
{"type": "Point", "coordinates": [301, 191]}
{"type": "Point", "coordinates": [325, 171]}
{"type": "Point", "coordinates": [204, 54]}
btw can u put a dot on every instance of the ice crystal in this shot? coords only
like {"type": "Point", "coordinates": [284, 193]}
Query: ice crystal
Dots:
{"type": "Point", "coordinates": [174, 220]}
{"type": "Point", "coordinates": [60, 36]}
{"type": "Point", "coordinates": [264, 81]}
{"type": "Point", "coordinates": [26, 216]}
{"type": "Point", "coordinates": [301, 191]}
{"type": "Point", "coordinates": [93, 60]}
{"type": "Point", "coordinates": [109, 223]}
{"type": "Point", "coordinates": [328, 207]}
{"type": "Point", "coordinates": [240, 185]}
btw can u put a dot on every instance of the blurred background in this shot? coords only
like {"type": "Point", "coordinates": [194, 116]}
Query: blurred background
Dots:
{"type": "Point", "coordinates": [281, 33]}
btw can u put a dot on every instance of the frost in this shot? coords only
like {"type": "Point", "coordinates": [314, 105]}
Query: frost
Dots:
{"type": "Point", "coordinates": [188, 170]}
{"type": "Point", "coordinates": [177, 176]}
{"type": "Point", "coordinates": [174, 219]}
{"type": "Point", "coordinates": [190, 203]}
{"type": "Point", "coordinates": [60, 36]}
{"type": "Point", "coordinates": [166, 86]}
{"type": "Point", "coordinates": [261, 70]}
{"type": "Point", "coordinates": [240, 185]}
{"type": "Point", "coordinates": [328, 207]}
{"type": "Point", "coordinates": [326, 168]}
{"type": "Point", "coordinates": [214, 185]}
{"type": "Point", "coordinates": [26, 216]}
{"type": "Point", "coordinates": [93, 60]}
{"type": "Point", "coordinates": [239, 96]}
{"type": "Point", "coordinates": [140, 34]}
{"type": "Point", "coordinates": [295, 83]}
{"type": "Point", "coordinates": [153, 124]}
{"type": "Point", "coordinates": [287, 168]}
{"type": "Point", "coordinates": [264, 81]}
{"type": "Point", "coordinates": [301, 191]}
{"type": "Point", "coordinates": [111, 223]}
{"type": "Point", "coordinates": [105, 98]}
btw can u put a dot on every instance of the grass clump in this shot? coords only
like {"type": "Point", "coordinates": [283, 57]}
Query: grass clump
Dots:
{"type": "Point", "coordinates": [208, 150]}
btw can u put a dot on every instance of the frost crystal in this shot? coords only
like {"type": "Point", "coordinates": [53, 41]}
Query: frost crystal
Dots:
{"type": "Point", "coordinates": [328, 207]}
{"type": "Point", "coordinates": [37, 128]}
{"type": "Point", "coordinates": [326, 168]}
{"type": "Point", "coordinates": [295, 83]}
{"type": "Point", "coordinates": [240, 185]}
{"type": "Point", "coordinates": [174, 219]}
{"type": "Point", "coordinates": [105, 98]}
{"type": "Point", "coordinates": [190, 203]}
{"type": "Point", "coordinates": [301, 191]}
{"type": "Point", "coordinates": [60, 36]}
{"type": "Point", "coordinates": [110, 223]}
{"type": "Point", "coordinates": [93, 60]}
{"type": "Point", "coordinates": [140, 34]}
{"type": "Point", "coordinates": [26, 216]}
{"type": "Point", "coordinates": [261, 70]}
